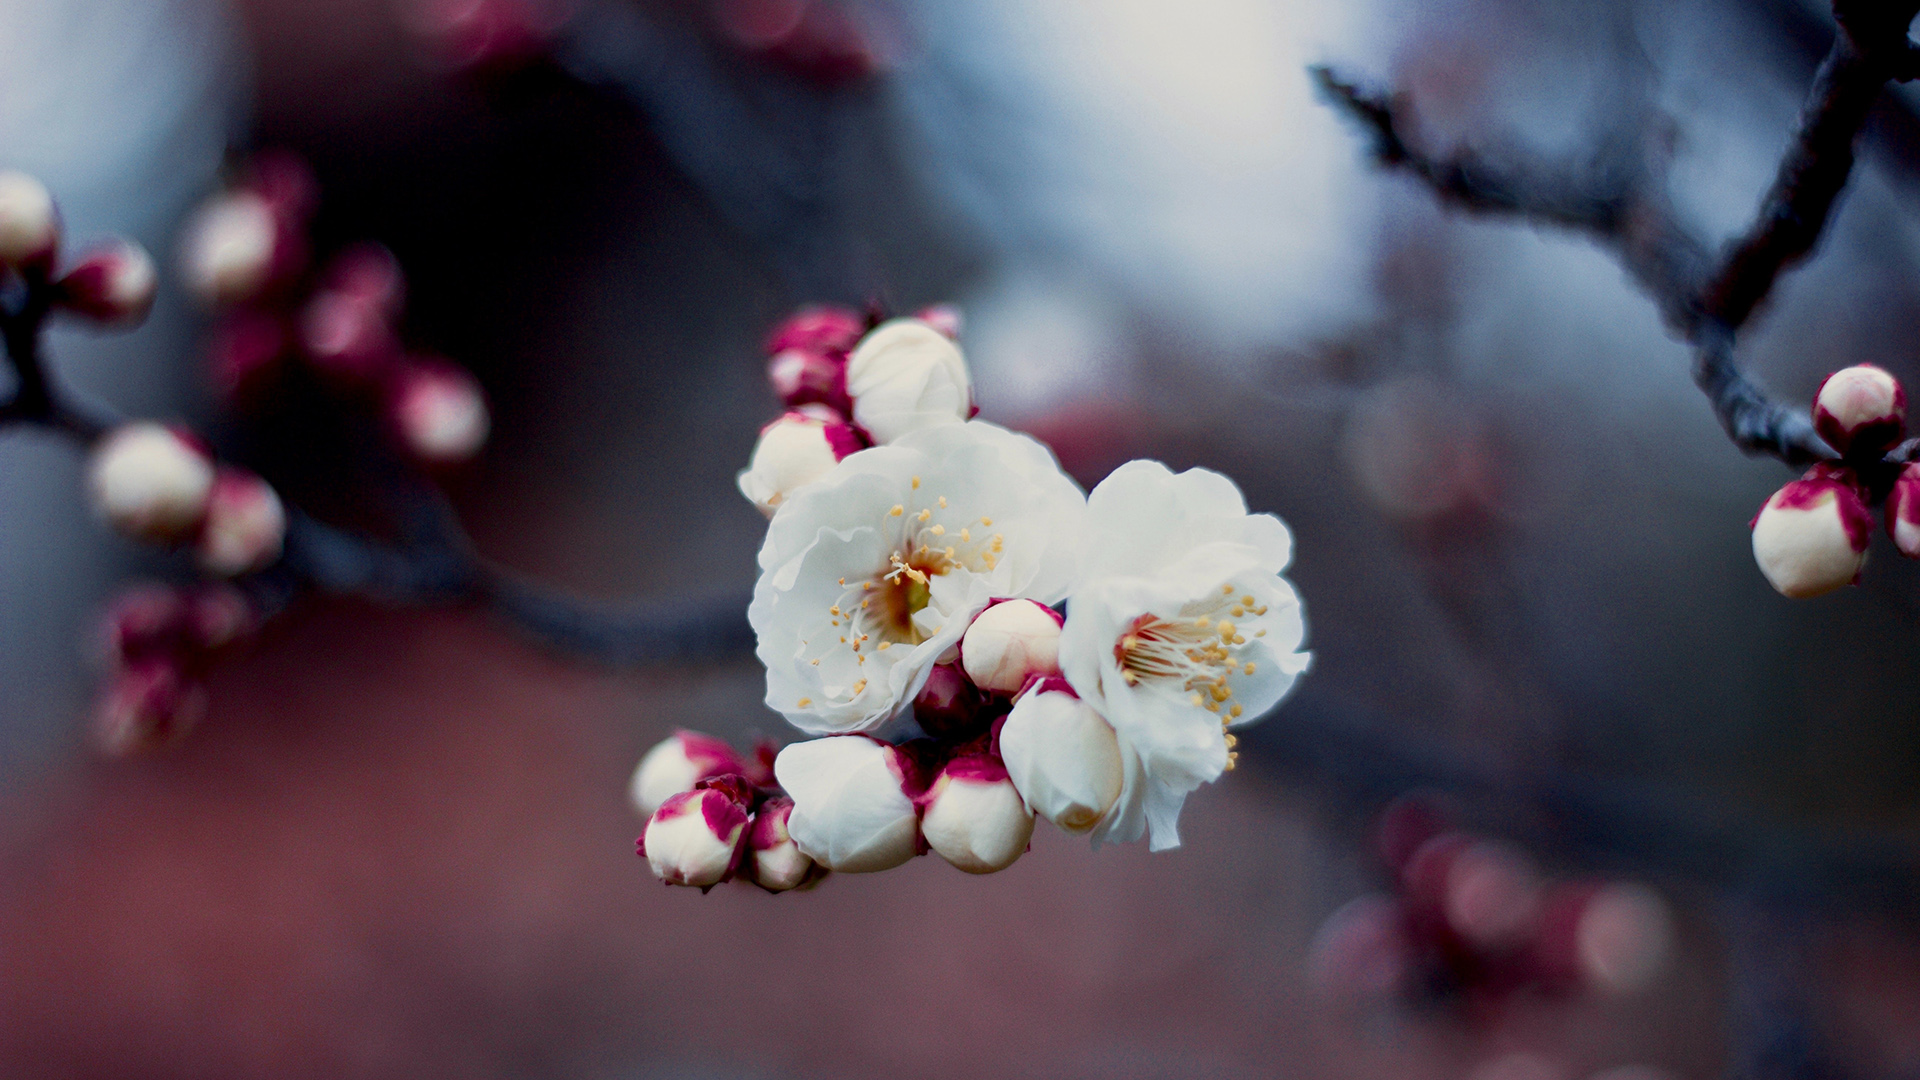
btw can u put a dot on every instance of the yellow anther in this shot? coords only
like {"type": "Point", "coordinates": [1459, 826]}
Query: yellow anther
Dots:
{"type": "Point", "coordinates": [1238, 611]}
{"type": "Point", "coordinates": [864, 604]}
{"type": "Point", "coordinates": [988, 522]}
{"type": "Point", "coordinates": [1232, 742]}
{"type": "Point", "coordinates": [884, 646]}
{"type": "Point", "coordinates": [1239, 639]}
{"type": "Point", "coordinates": [965, 534]}
{"type": "Point", "coordinates": [843, 581]}
{"type": "Point", "coordinates": [938, 530]}
{"type": "Point", "coordinates": [1259, 633]}
{"type": "Point", "coordinates": [1261, 610]}
{"type": "Point", "coordinates": [860, 687]}
{"type": "Point", "coordinates": [1250, 668]}
{"type": "Point", "coordinates": [1196, 699]}
{"type": "Point", "coordinates": [835, 609]}
{"type": "Point", "coordinates": [1203, 622]}
{"type": "Point", "coordinates": [916, 483]}
{"type": "Point", "coordinates": [1226, 630]}
{"type": "Point", "coordinates": [867, 586]}
{"type": "Point", "coordinates": [1221, 692]}
{"type": "Point", "coordinates": [1226, 590]}
{"type": "Point", "coordinates": [1247, 600]}
{"type": "Point", "coordinates": [943, 502]}
{"type": "Point", "coordinates": [1236, 711]}
{"type": "Point", "coordinates": [923, 515]}
{"type": "Point", "coordinates": [805, 701]}
{"type": "Point", "coordinates": [815, 663]}
{"type": "Point", "coordinates": [897, 510]}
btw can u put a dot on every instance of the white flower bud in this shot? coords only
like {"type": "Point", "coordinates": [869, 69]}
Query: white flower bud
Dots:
{"type": "Point", "coordinates": [1860, 410]}
{"type": "Point", "coordinates": [113, 284]}
{"type": "Point", "coordinates": [245, 524]}
{"type": "Point", "coordinates": [1010, 643]}
{"type": "Point", "coordinates": [441, 413]}
{"type": "Point", "coordinates": [147, 482]}
{"type": "Point", "coordinates": [778, 862]}
{"type": "Point", "coordinates": [974, 817]}
{"type": "Point", "coordinates": [29, 226]}
{"type": "Point", "coordinates": [793, 451]}
{"type": "Point", "coordinates": [1903, 512]}
{"type": "Point", "coordinates": [228, 253]}
{"type": "Point", "coordinates": [692, 838]}
{"type": "Point", "coordinates": [1062, 757]}
{"type": "Point", "coordinates": [851, 812]}
{"type": "Point", "coordinates": [904, 376]}
{"type": "Point", "coordinates": [675, 764]}
{"type": "Point", "coordinates": [1811, 536]}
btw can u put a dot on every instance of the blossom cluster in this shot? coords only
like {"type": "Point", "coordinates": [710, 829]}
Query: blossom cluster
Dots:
{"type": "Point", "coordinates": [1472, 920]}
{"type": "Point", "coordinates": [973, 640]}
{"type": "Point", "coordinates": [1811, 536]}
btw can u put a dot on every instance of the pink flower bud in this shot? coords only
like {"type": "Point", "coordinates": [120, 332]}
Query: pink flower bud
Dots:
{"type": "Point", "coordinates": [245, 524]}
{"type": "Point", "coordinates": [778, 862]}
{"type": "Point", "coordinates": [1903, 512]}
{"type": "Point", "coordinates": [676, 764]}
{"type": "Point", "coordinates": [851, 810]}
{"type": "Point", "coordinates": [905, 376]}
{"type": "Point", "coordinates": [230, 249]}
{"type": "Point", "coordinates": [948, 706]}
{"type": "Point", "coordinates": [1615, 938]}
{"type": "Point", "coordinates": [1860, 411]}
{"type": "Point", "coordinates": [1363, 951]}
{"type": "Point", "coordinates": [147, 704]}
{"type": "Point", "coordinates": [974, 818]}
{"type": "Point", "coordinates": [370, 274]}
{"type": "Point", "coordinates": [347, 337]}
{"type": "Point", "coordinates": [803, 376]}
{"type": "Point", "coordinates": [245, 353]}
{"type": "Point", "coordinates": [1010, 643]}
{"type": "Point", "coordinates": [218, 615]}
{"type": "Point", "coordinates": [1491, 896]}
{"type": "Point", "coordinates": [1062, 757]}
{"type": "Point", "coordinates": [115, 283]}
{"type": "Point", "coordinates": [945, 318]}
{"type": "Point", "coordinates": [793, 451]}
{"type": "Point", "coordinates": [694, 836]}
{"type": "Point", "coordinates": [145, 621]}
{"type": "Point", "coordinates": [1811, 536]}
{"type": "Point", "coordinates": [827, 330]}
{"type": "Point", "coordinates": [441, 413]}
{"type": "Point", "coordinates": [149, 483]}
{"type": "Point", "coordinates": [29, 225]}
{"type": "Point", "coordinates": [493, 34]}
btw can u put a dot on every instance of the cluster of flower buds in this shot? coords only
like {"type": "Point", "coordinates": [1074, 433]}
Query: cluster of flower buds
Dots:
{"type": "Point", "coordinates": [909, 613]}
{"type": "Point", "coordinates": [847, 384]}
{"type": "Point", "coordinates": [245, 253]}
{"type": "Point", "coordinates": [158, 641]}
{"type": "Point", "coordinates": [1473, 920]}
{"type": "Point", "coordinates": [713, 816]}
{"type": "Point", "coordinates": [1811, 536]}
{"type": "Point", "coordinates": [161, 485]}
{"type": "Point", "coordinates": [112, 282]}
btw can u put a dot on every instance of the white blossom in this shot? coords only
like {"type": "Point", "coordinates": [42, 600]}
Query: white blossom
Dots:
{"type": "Point", "coordinates": [794, 451]}
{"type": "Point", "coordinates": [870, 574]}
{"type": "Point", "coordinates": [1063, 758]}
{"type": "Point", "coordinates": [1181, 629]}
{"type": "Point", "coordinates": [675, 764]}
{"type": "Point", "coordinates": [907, 375]}
{"type": "Point", "coordinates": [692, 838]}
{"type": "Point", "coordinates": [229, 249]}
{"type": "Point", "coordinates": [147, 482]}
{"type": "Point", "coordinates": [1009, 643]}
{"type": "Point", "coordinates": [851, 812]}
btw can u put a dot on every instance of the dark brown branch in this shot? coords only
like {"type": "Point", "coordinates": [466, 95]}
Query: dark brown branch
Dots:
{"type": "Point", "coordinates": [434, 563]}
{"type": "Point", "coordinates": [1705, 301]}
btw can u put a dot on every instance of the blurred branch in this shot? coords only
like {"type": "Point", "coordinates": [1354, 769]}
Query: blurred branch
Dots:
{"type": "Point", "coordinates": [1621, 202]}
{"type": "Point", "coordinates": [434, 564]}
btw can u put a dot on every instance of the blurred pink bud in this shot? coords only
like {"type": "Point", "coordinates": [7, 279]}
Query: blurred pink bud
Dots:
{"type": "Point", "coordinates": [759, 24]}
{"type": "Point", "coordinates": [348, 337]}
{"type": "Point", "coordinates": [1811, 536]}
{"type": "Point", "coordinates": [851, 811]}
{"type": "Point", "coordinates": [778, 863]}
{"type": "Point", "coordinates": [1623, 938]}
{"type": "Point", "coordinates": [29, 224]}
{"type": "Point", "coordinates": [974, 818]}
{"type": "Point", "coordinates": [794, 451]}
{"type": "Point", "coordinates": [804, 376]}
{"type": "Point", "coordinates": [1860, 411]}
{"type": "Point", "coordinates": [147, 704]}
{"type": "Point", "coordinates": [218, 615]}
{"type": "Point", "coordinates": [945, 318]}
{"type": "Point", "coordinates": [368, 273]}
{"type": "Point", "coordinates": [948, 706]}
{"type": "Point", "coordinates": [1423, 878]}
{"type": "Point", "coordinates": [1363, 951]}
{"type": "Point", "coordinates": [486, 33]}
{"type": "Point", "coordinates": [1903, 512]}
{"type": "Point", "coordinates": [1519, 1066]}
{"type": "Point", "coordinates": [144, 621]}
{"type": "Point", "coordinates": [1408, 822]}
{"type": "Point", "coordinates": [676, 764]}
{"type": "Point", "coordinates": [827, 46]}
{"type": "Point", "coordinates": [283, 179]}
{"type": "Point", "coordinates": [440, 412]}
{"type": "Point", "coordinates": [828, 330]}
{"type": "Point", "coordinates": [149, 482]}
{"type": "Point", "coordinates": [114, 283]}
{"type": "Point", "coordinates": [1010, 643]}
{"type": "Point", "coordinates": [245, 524]}
{"type": "Point", "coordinates": [694, 837]}
{"type": "Point", "coordinates": [1492, 896]}
{"type": "Point", "coordinates": [231, 248]}
{"type": "Point", "coordinates": [245, 353]}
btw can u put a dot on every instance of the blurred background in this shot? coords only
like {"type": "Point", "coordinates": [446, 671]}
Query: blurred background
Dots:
{"type": "Point", "coordinates": [399, 847]}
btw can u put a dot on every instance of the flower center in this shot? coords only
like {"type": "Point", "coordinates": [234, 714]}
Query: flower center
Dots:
{"type": "Point", "coordinates": [1197, 652]}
